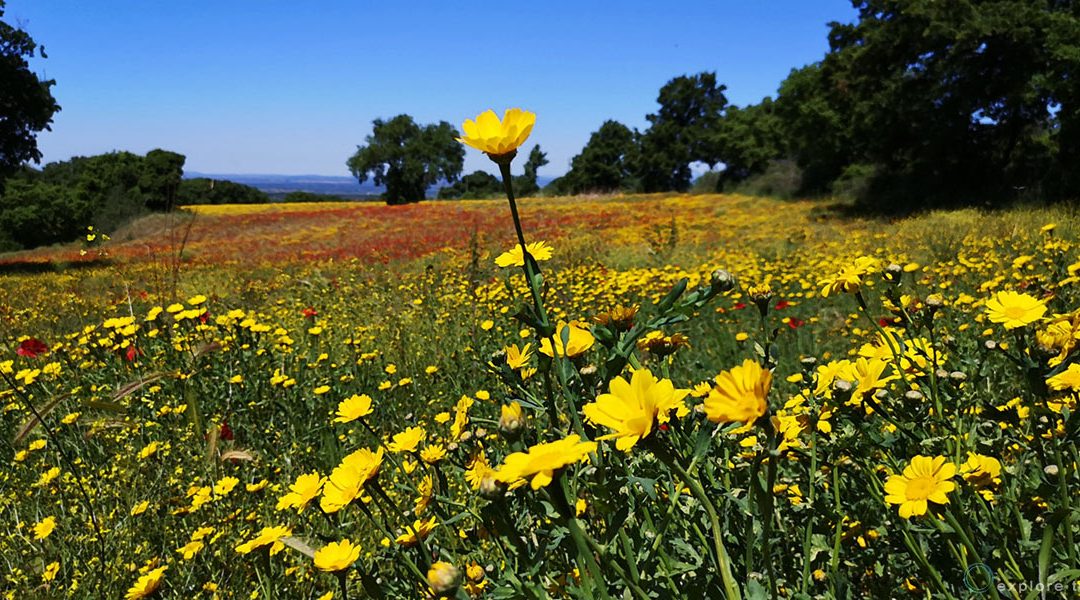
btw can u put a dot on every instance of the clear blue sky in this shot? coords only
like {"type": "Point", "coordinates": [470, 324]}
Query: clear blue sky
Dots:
{"type": "Point", "coordinates": [266, 86]}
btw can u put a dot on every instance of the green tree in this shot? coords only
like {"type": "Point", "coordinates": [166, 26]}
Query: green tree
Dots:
{"type": "Point", "coordinates": [26, 102]}
{"type": "Point", "coordinates": [747, 140]}
{"type": "Point", "coordinates": [944, 102]}
{"type": "Point", "coordinates": [408, 158]}
{"type": "Point", "coordinates": [605, 164]}
{"type": "Point", "coordinates": [202, 190]}
{"type": "Point", "coordinates": [681, 132]}
{"type": "Point", "coordinates": [525, 185]}
{"type": "Point", "coordinates": [160, 179]}
{"type": "Point", "coordinates": [478, 184]}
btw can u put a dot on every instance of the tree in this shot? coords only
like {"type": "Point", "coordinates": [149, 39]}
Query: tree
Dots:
{"type": "Point", "coordinates": [160, 179]}
{"type": "Point", "coordinates": [525, 185]}
{"type": "Point", "coordinates": [681, 132]}
{"type": "Point", "coordinates": [605, 164]}
{"type": "Point", "coordinates": [408, 158]}
{"type": "Point", "coordinates": [747, 140]}
{"type": "Point", "coordinates": [946, 102]}
{"type": "Point", "coordinates": [26, 102]}
{"type": "Point", "coordinates": [201, 190]}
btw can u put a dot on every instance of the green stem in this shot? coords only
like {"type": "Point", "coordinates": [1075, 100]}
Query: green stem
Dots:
{"type": "Point", "coordinates": [723, 562]}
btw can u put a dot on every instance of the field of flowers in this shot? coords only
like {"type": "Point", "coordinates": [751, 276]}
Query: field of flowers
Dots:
{"type": "Point", "coordinates": [664, 397]}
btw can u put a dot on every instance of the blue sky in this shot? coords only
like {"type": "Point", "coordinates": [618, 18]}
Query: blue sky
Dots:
{"type": "Point", "coordinates": [267, 86]}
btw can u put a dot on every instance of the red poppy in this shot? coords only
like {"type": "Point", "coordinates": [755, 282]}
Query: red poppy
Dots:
{"type": "Point", "coordinates": [739, 306]}
{"type": "Point", "coordinates": [781, 305]}
{"type": "Point", "coordinates": [664, 427]}
{"type": "Point", "coordinates": [795, 322]}
{"type": "Point", "coordinates": [132, 353]}
{"type": "Point", "coordinates": [31, 348]}
{"type": "Point", "coordinates": [226, 432]}
{"type": "Point", "coordinates": [203, 318]}
{"type": "Point", "coordinates": [310, 313]}
{"type": "Point", "coordinates": [886, 321]}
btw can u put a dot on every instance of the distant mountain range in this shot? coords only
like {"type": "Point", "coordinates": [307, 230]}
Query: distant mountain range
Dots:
{"type": "Point", "coordinates": [335, 185]}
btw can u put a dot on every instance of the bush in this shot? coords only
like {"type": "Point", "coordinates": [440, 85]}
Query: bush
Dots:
{"type": "Point", "coordinates": [214, 191]}
{"type": "Point", "coordinates": [781, 179]}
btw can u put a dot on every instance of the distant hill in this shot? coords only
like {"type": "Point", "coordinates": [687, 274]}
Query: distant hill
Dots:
{"type": "Point", "coordinates": [276, 186]}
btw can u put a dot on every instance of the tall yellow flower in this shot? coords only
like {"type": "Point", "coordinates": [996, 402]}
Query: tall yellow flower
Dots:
{"type": "Point", "coordinates": [417, 531]}
{"type": "Point", "coordinates": [925, 479]}
{"type": "Point", "coordinates": [1013, 309]}
{"type": "Point", "coordinates": [408, 440]}
{"type": "Point", "coordinates": [353, 408]}
{"type": "Point", "coordinates": [514, 257]}
{"type": "Point", "coordinates": [302, 491]}
{"type": "Point", "coordinates": [44, 527]}
{"type": "Point", "coordinates": [496, 137]}
{"type": "Point", "coordinates": [269, 536]}
{"type": "Point", "coordinates": [518, 357]}
{"type": "Point", "coordinates": [348, 478]}
{"type": "Point", "coordinates": [146, 584]}
{"type": "Point", "coordinates": [1069, 379]}
{"type": "Point", "coordinates": [631, 408]}
{"type": "Point", "coordinates": [336, 556]}
{"type": "Point", "coordinates": [739, 394]}
{"type": "Point", "coordinates": [579, 340]}
{"type": "Point", "coordinates": [538, 464]}
{"type": "Point", "coordinates": [850, 278]}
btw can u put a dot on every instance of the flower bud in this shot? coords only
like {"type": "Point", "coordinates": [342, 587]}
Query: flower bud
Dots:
{"type": "Point", "coordinates": [442, 577]}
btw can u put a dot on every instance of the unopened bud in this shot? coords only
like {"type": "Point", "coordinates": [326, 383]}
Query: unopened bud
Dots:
{"type": "Point", "coordinates": [442, 577]}
{"type": "Point", "coordinates": [722, 281]}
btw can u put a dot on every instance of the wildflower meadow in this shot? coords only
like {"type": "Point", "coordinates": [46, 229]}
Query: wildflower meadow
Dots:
{"type": "Point", "coordinates": [615, 397]}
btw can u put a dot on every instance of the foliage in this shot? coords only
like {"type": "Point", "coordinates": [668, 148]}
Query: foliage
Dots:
{"type": "Point", "coordinates": [605, 164]}
{"type": "Point", "coordinates": [302, 196]}
{"type": "Point", "coordinates": [200, 190]}
{"type": "Point", "coordinates": [679, 133]}
{"type": "Point", "coordinates": [478, 184]}
{"type": "Point", "coordinates": [408, 158]}
{"type": "Point", "coordinates": [26, 102]}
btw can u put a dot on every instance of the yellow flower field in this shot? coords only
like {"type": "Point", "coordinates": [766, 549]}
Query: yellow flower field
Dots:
{"type": "Point", "coordinates": [671, 396]}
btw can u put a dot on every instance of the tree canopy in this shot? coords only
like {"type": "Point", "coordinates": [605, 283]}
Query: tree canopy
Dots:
{"type": "Point", "coordinates": [408, 158]}
{"type": "Point", "coordinates": [26, 102]}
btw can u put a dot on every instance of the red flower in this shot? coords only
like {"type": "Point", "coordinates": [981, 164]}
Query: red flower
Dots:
{"type": "Point", "coordinates": [310, 313]}
{"type": "Point", "coordinates": [226, 431]}
{"type": "Point", "coordinates": [203, 318]}
{"type": "Point", "coordinates": [132, 353]}
{"type": "Point", "coordinates": [795, 322]}
{"type": "Point", "coordinates": [31, 348]}
{"type": "Point", "coordinates": [886, 321]}
{"type": "Point", "coordinates": [664, 427]}
{"type": "Point", "coordinates": [739, 306]}
{"type": "Point", "coordinates": [781, 305]}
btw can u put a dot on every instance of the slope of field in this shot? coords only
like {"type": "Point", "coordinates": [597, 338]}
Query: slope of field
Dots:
{"type": "Point", "coordinates": [203, 373]}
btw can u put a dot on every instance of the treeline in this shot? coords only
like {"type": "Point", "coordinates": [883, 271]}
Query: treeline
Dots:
{"type": "Point", "coordinates": [918, 104]}
{"type": "Point", "coordinates": [58, 202]}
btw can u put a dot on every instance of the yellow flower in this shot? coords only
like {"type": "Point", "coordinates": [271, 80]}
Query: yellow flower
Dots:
{"type": "Point", "coordinates": [869, 375]}
{"type": "Point", "coordinates": [925, 479]}
{"type": "Point", "coordinates": [416, 532]}
{"type": "Point", "coordinates": [538, 464]}
{"type": "Point", "coordinates": [494, 137]}
{"type": "Point", "coordinates": [302, 492]}
{"type": "Point", "coordinates": [44, 527]}
{"type": "Point", "coordinates": [980, 470]}
{"type": "Point", "coordinates": [352, 408]}
{"type": "Point", "coordinates": [347, 479]}
{"type": "Point", "coordinates": [433, 453]}
{"type": "Point", "coordinates": [140, 508]}
{"type": "Point", "coordinates": [336, 556]}
{"type": "Point", "coordinates": [426, 488]}
{"type": "Point", "coordinates": [739, 395]}
{"type": "Point", "coordinates": [442, 577]}
{"type": "Point", "coordinates": [189, 550]}
{"type": "Point", "coordinates": [849, 278]}
{"type": "Point", "coordinates": [1069, 379]}
{"type": "Point", "coordinates": [146, 584]}
{"type": "Point", "coordinates": [517, 358]}
{"type": "Point", "coordinates": [632, 408]}
{"type": "Point", "coordinates": [407, 440]}
{"type": "Point", "coordinates": [579, 340]}
{"type": "Point", "coordinates": [480, 474]}
{"type": "Point", "coordinates": [1013, 309]}
{"type": "Point", "coordinates": [269, 536]}
{"type": "Point", "coordinates": [510, 417]}
{"type": "Point", "coordinates": [50, 572]}
{"type": "Point", "coordinates": [516, 258]}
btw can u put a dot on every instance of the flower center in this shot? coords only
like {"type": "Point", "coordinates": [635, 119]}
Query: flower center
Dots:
{"type": "Point", "coordinates": [1016, 312]}
{"type": "Point", "coordinates": [920, 488]}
